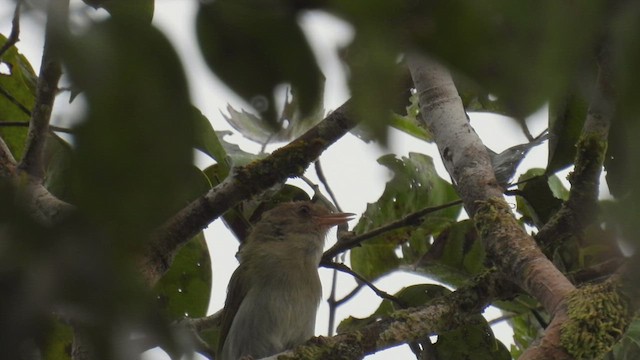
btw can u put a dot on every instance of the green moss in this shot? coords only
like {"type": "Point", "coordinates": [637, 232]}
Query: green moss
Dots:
{"type": "Point", "coordinates": [598, 316]}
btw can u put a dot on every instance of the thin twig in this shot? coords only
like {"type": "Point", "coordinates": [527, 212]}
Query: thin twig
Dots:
{"type": "Point", "coordinates": [350, 295]}
{"type": "Point", "coordinates": [500, 319]}
{"type": "Point", "coordinates": [325, 183]}
{"type": "Point", "coordinates": [525, 130]}
{"type": "Point", "coordinates": [344, 268]}
{"type": "Point", "coordinates": [333, 304]}
{"type": "Point", "coordinates": [409, 220]}
{"type": "Point", "coordinates": [14, 36]}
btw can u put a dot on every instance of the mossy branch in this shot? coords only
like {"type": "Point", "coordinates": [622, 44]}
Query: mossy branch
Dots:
{"type": "Point", "coordinates": [581, 207]}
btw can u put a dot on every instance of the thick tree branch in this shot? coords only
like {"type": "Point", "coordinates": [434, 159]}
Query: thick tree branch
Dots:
{"type": "Point", "coordinates": [581, 207]}
{"type": "Point", "coordinates": [465, 157]}
{"type": "Point", "coordinates": [244, 182]}
{"type": "Point", "coordinates": [403, 326]}
{"type": "Point", "coordinates": [47, 86]}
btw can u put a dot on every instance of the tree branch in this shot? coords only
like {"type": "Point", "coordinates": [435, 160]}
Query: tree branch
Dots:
{"type": "Point", "coordinates": [349, 242]}
{"type": "Point", "coordinates": [514, 252]}
{"type": "Point", "coordinates": [403, 326]}
{"type": "Point", "coordinates": [344, 268]}
{"type": "Point", "coordinates": [243, 183]}
{"type": "Point", "coordinates": [581, 207]}
{"type": "Point", "coordinates": [47, 86]}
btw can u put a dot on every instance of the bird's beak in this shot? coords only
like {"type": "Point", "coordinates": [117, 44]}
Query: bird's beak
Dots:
{"type": "Point", "coordinates": [333, 219]}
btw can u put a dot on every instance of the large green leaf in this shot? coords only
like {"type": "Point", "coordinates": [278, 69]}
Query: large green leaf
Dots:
{"type": "Point", "coordinates": [415, 185]}
{"type": "Point", "coordinates": [473, 340]}
{"type": "Point", "coordinates": [185, 289]}
{"type": "Point", "coordinates": [16, 98]}
{"type": "Point", "coordinates": [254, 47]}
{"type": "Point", "coordinates": [135, 144]}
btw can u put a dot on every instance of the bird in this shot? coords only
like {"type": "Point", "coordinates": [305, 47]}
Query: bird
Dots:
{"type": "Point", "coordinates": [273, 295]}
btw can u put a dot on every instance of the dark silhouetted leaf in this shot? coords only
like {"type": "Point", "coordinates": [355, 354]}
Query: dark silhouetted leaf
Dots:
{"type": "Point", "coordinates": [566, 118]}
{"type": "Point", "coordinates": [254, 47]}
{"type": "Point", "coordinates": [139, 10]}
{"type": "Point", "coordinates": [538, 59]}
{"type": "Point", "coordinates": [136, 143]}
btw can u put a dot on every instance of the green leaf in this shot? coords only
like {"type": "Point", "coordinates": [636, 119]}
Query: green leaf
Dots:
{"type": "Point", "coordinates": [456, 255]}
{"type": "Point", "coordinates": [138, 10]}
{"type": "Point", "coordinates": [185, 289]}
{"type": "Point", "coordinates": [19, 84]}
{"type": "Point", "coordinates": [628, 347]}
{"type": "Point", "coordinates": [208, 142]}
{"type": "Point", "coordinates": [471, 341]}
{"type": "Point", "coordinates": [526, 330]}
{"type": "Point", "coordinates": [135, 144]}
{"type": "Point", "coordinates": [415, 185]}
{"type": "Point", "coordinates": [409, 123]}
{"type": "Point", "coordinates": [254, 47]}
{"type": "Point", "coordinates": [566, 118]}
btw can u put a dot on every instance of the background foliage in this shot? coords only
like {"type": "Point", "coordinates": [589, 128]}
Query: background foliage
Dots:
{"type": "Point", "coordinates": [127, 166]}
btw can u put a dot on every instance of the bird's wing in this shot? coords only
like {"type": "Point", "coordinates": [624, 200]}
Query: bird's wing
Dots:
{"type": "Point", "coordinates": [236, 290]}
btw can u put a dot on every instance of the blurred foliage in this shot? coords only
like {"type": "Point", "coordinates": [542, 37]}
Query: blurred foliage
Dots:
{"type": "Point", "coordinates": [127, 166]}
{"type": "Point", "coordinates": [254, 47]}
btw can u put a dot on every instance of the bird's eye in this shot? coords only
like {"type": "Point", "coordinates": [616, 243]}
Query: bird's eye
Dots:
{"type": "Point", "coordinates": [304, 210]}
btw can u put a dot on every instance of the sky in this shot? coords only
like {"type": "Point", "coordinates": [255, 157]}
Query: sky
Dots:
{"type": "Point", "coordinates": [350, 165]}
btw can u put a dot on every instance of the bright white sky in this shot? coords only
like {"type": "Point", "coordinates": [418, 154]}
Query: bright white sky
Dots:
{"type": "Point", "coordinates": [350, 165]}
